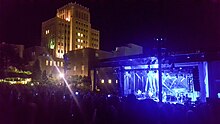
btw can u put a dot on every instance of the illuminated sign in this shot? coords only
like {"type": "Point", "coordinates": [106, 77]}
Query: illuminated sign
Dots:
{"type": "Point", "coordinates": [52, 44]}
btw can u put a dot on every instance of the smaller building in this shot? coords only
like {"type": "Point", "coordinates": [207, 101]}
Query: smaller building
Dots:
{"type": "Point", "coordinates": [129, 49]}
{"type": "Point", "coordinates": [52, 66]}
{"type": "Point", "coordinates": [81, 61]}
{"type": "Point", "coordinates": [16, 48]}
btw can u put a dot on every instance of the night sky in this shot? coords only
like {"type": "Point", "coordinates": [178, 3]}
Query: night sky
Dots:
{"type": "Point", "coordinates": [185, 24]}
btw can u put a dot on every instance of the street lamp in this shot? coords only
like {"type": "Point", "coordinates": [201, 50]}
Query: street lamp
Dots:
{"type": "Point", "coordinates": [159, 57]}
{"type": "Point", "coordinates": [61, 75]}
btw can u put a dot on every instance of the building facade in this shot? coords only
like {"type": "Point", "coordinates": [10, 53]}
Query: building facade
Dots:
{"type": "Point", "coordinates": [129, 49]}
{"type": "Point", "coordinates": [69, 30]}
{"type": "Point", "coordinates": [82, 61]}
{"type": "Point", "coordinates": [52, 65]}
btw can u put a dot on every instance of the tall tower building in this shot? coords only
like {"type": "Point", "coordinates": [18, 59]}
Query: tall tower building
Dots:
{"type": "Point", "coordinates": [69, 30]}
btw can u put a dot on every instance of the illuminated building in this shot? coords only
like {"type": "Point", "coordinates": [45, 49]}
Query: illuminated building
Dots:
{"type": "Point", "coordinates": [69, 30]}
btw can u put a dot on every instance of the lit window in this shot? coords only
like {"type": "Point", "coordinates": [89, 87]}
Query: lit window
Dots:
{"type": "Point", "coordinates": [54, 63]}
{"type": "Point", "coordinates": [78, 34]}
{"type": "Point", "coordinates": [116, 81]}
{"type": "Point", "coordinates": [78, 40]}
{"type": "Point", "coordinates": [74, 68]}
{"type": "Point", "coordinates": [78, 46]}
{"type": "Point", "coordinates": [61, 64]}
{"type": "Point", "coordinates": [81, 46]}
{"type": "Point", "coordinates": [81, 41]}
{"type": "Point", "coordinates": [47, 31]}
{"type": "Point", "coordinates": [47, 62]}
{"type": "Point", "coordinates": [96, 55]}
{"type": "Point", "coordinates": [109, 81]}
{"type": "Point", "coordinates": [58, 63]}
{"type": "Point", "coordinates": [83, 67]}
{"type": "Point", "coordinates": [81, 35]}
{"type": "Point", "coordinates": [102, 81]}
{"type": "Point", "coordinates": [51, 63]}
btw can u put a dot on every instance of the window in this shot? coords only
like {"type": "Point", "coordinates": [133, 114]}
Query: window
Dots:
{"type": "Point", "coordinates": [78, 40]}
{"type": "Point", "coordinates": [47, 31]}
{"type": "Point", "coordinates": [47, 62]}
{"type": "Point", "coordinates": [74, 68]}
{"type": "Point", "coordinates": [81, 35]}
{"type": "Point", "coordinates": [83, 67]}
{"type": "Point", "coordinates": [96, 54]}
{"type": "Point", "coordinates": [54, 63]}
{"type": "Point", "coordinates": [61, 64]}
{"type": "Point", "coordinates": [116, 81]}
{"type": "Point", "coordinates": [58, 63]}
{"type": "Point", "coordinates": [78, 34]}
{"type": "Point", "coordinates": [33, 53]}
{"type": "Point", "coordinates": [78, 46]}
{"type": "Point", "coordinates": [109, 81]}
{"type": "Point", "coordinates": [81, 41]}
{"type": "Point", "coordinates": [102, 81]}
{"type": "Point", "coordinates": [51, 63]}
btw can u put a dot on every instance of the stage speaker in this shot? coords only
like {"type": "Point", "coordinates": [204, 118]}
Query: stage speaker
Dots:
{"type": "Point", "coordinates": [196, 81]}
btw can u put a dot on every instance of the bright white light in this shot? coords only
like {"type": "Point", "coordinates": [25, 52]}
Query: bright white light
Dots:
{"type": "Point", "coordinates": [61, 75]}
{"type": "Point", "coordinates": [218, 95]}
{"type": "Point", "coordinates": [150, 93]}
{"type": "Point", "coordinates": [109, 81]}
{"type": "Point", "coordinates": [109, 95]}
{"type": "Point", "coordinates": [116, 81]}
{"type": "Point", "coordinates": [102, 81]}
{"type": "Point", "coordinates": [77, 93]}
{"type": "Point", "coordinates": [67, 19]}
{"type": "Point", "coordinates": [32, 84]}
{"type": "Point", "coordinates": [139, 92]}
{"type": "Point", "coordinates": [78, 34]}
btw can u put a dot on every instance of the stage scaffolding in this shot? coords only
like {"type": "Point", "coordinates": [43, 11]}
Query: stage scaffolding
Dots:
{"type": "Point", "coordinates": [181, 81]}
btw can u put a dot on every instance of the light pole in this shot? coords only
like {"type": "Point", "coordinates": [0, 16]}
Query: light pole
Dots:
{"type": "Point", "coordinates": [159, 57]}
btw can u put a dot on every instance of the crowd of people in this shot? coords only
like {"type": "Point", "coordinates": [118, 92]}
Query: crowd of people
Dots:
{"type": "Point", "coordinates": [24, 104]}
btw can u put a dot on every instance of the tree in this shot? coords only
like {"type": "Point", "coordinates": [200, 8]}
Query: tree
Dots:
{"type": "Point", "coordinates": [44, 77]}
{"type": "Point", "coordinates": [9, 57]}
{"type": "Point", "coordinates": [36, 71]}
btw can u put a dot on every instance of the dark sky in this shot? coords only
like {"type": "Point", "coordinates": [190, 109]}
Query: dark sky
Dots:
{"type": "Point", "coordinates": [186, 24]}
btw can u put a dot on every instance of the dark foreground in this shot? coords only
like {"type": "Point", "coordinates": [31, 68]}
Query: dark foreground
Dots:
{"type": "Point", "coordinates": [20, 104]}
